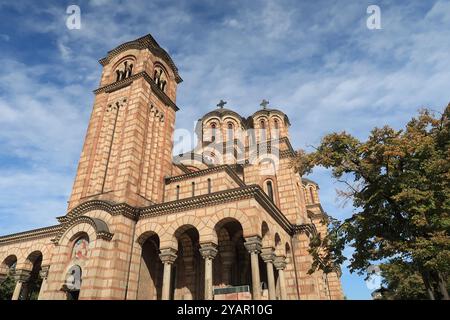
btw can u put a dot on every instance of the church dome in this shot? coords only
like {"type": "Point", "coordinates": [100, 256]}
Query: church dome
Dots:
{"type": "Point", "coordinates": [222, 113]}
{"type": "Point", "coordinates": [268, 113]}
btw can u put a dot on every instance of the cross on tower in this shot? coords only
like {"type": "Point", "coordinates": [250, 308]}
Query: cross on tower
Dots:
{"type": "Point", "coordinates": [221, 104]}
{"type": "Point", "coordinates": [264, 103]}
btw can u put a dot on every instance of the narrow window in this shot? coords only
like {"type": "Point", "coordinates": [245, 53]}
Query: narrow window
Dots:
{"type": "Point", "coordinates": [209, 185]}
{"type": "Point", "coordinates": [311, 192]}
{"type": "Point", "coordinates": [213, 132]}
{"type": "Point", "coordinates": [276, 124]}
{"type": "Point", "coordinates": [263, 131]}
{"type": "Point", "coordinates": [230, 132]}
{"type": "Point", "coordinates": [193, 189]}
{"type": "Point", "coordinates": [178, 193]}
{"type": "Point", "coordinates": [269, 190]}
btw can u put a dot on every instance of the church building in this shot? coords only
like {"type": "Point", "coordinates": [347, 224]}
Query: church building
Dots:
{"type": "Point", "coordinates": [230, 219]}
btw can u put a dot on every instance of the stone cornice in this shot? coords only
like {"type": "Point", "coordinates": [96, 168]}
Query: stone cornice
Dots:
{"type": "Point", "coordinates": [110, 207]}
{"type": "Point", "coordinates": [126, 82]}
{"type": "Point", "coordinates": [145, 42]}
{"type": "Point", "coordinates": [100, 227]}
{"type": "Point", "coordinates": [32, 234]}
{"type": "Point", "coordinates": [207, 171]}
{"type": "Point", "coordinates": [247, 192]}
{"type": "Point", "coordinates": [308, 228]}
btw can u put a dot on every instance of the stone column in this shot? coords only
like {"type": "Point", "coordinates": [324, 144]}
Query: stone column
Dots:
{"type": "Point", "coordinates": [21, 277]}
{"type": "Point", "coordinates": [253, 246]}
{"type": "Point", "coordinates": [43, 273]}
{"type": "Point", "coordinates": [168, 257]}
{"type": "Point", "coordinates": [208, 252]}
{"type": "Point", "coordinates": [280, 265]}
{"type": "Point", "coordinates": [268, 256]}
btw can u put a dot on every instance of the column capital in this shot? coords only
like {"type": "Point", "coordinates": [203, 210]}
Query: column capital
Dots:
{"type": "Point", "coordinates": [43, 273]}
{"type": "Point", "coordinates": [268, 254]}
{"type": "Point", "coordinates": [168, 255]}
{"type": "Point", "coordinates": [253, 244]}
{"type": "Point", "coordinates": [280, 262]}
{"type": "Point", "coordinates": [208, 250]}
{"type": "Point", "coordinates": [22, 275]}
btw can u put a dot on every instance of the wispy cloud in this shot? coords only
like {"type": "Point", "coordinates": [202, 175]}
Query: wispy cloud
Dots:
{"type": "Point", "coordinates": [317, 61]}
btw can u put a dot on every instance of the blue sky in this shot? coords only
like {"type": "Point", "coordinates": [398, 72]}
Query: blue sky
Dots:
{"type": "Point", "coordinates": [315, 60]}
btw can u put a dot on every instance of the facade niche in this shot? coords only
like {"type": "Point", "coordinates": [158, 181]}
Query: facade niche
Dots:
{"type": "Point", "coordinates": [160, 78]}
{"type": "Point", "coordinates": [125, 71]}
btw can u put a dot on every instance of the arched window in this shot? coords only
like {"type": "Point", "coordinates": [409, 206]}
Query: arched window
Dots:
{"type": "Point", "coordinates": [209, 185]}
{"type": "Point", "coordinates": [311, 193]}
{"type": "Point", "coordinates": [263, 130]}
{"type": "Point", "coordinates": [269, 189]}
{"type": "Point", "coordinates": [275, 124]}
{"type": "Point", "coordinates": [178, 193]}
{"type": "Point", "coordinates": [263, 124]}
{"type": "Point", "coordinates": [193, 189]}
{"type": "Point", "coordinates": [213, 132]}
{"type": "Point", "coordinates": [230, 131]}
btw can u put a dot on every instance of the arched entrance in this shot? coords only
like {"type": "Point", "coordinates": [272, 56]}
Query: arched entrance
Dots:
{"type": "Point", "coordinates": [150, 270]}
{"type": "Point", "coordinates": [72, 284]}
{"type": "Point", "coordinates": [188, 268]}
{"type": "Point", "coordinates": [7, 281]}
{"type": "Point", "coordinates": [232, 271]}
{"type": "Point", "coordinates": [30, 289]}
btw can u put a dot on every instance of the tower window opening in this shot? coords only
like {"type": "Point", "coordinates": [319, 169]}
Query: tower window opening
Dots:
{"type": "Point", "coordinates": [263, 130]}
{"type": "Point", "coordinates": [209, 185]}
{"type": "Point", "coordinates": [230, 131]}
{"type": "Point", "coordinates": [269, 189]}
{"type": "Point", "coordinates": [193, 189]}
{"type": "Point", "coordinates": [311, 193]}
{"type": "Point", "coordinates": [178, 192]}
{"type": "Point", "coordinates": [213, 132]}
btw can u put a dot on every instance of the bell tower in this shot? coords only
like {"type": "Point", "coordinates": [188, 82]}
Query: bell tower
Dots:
{"type": "Point", "coordinates": [127, 150]}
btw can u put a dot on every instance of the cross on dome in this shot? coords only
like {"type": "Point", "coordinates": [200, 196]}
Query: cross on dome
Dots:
{"type": "Point", "coordinates": [264, 103]}
{"type": "Point", "coordinates": [221, 104]}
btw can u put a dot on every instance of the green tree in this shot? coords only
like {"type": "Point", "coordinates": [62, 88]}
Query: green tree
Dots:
{"type": "Point", "coordinates": [399, 182]}
{"type": "Point", "coordinates": [7, 288]}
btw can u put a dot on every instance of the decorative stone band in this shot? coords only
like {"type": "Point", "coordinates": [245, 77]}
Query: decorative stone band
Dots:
{"type": "Point", "coordinates": [253, 244]}
{"type": "Point", "coordinates": [127, 81]}
{"type": "Point", "coordinates": [145, 42]}
{"type": "Point", "coordinates": [227, 168]}
{"type": "Point", "coordinates": [208, 250]}
{"type": "Point", "coordinates": [168, 255]}
{"type": "Point", "coordinates": [110, 207]}
{"type": "Point", "coordinates": [43, 273]}
{"type": "Point", "coordinates": [309, 229]}
{"type": "Point", "coordinates": [32, 234]}
{"type": "Point", "coordinates": [268, 254]}
{"type": "Point", "coordinates": [251, 191]}
{"type": "Point", "coordinates": [22, 275]}
{"type": "Point", "coordinates": [280, 262]}
{"type": "Point", "coordinates": [100, 227]}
